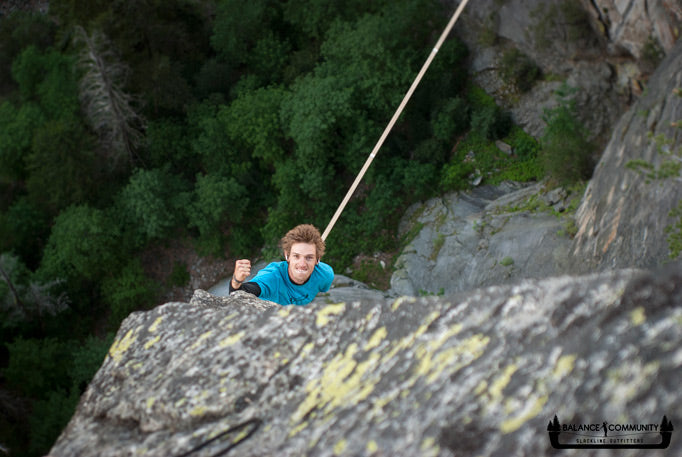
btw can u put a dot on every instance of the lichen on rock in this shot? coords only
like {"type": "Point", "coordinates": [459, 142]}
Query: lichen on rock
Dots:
{"type": "Point", "coordinates": [471, 373]}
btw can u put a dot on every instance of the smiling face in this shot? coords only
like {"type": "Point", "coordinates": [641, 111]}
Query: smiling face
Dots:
{"type": "Point", "coordinates": [302, 259]}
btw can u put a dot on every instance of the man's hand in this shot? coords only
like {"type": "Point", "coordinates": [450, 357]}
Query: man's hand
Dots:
{"type": "Point", "coordinates": [242, 270]}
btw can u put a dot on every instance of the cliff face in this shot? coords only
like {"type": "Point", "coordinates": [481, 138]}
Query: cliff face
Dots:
{"type": "Point", "coordinates": [479, 373]}
{"type": "Point", "coordinates": [605, 48]}
{"type": "Point", "coordinates": [623, 217]}
{"type": "Point", "coordinates": [487, 236]}
{"type": "Point", "coordinates": [631, 24]}
{"type": "Point", "coordinates": [493, 236]}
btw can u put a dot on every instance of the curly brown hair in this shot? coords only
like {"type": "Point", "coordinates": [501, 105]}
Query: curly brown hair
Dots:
{"type": "Point", "coordinates": [304, 233]}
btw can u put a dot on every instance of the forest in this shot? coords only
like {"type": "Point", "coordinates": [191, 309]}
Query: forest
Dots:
{"type": "Point", "coordinates": [127, 124]}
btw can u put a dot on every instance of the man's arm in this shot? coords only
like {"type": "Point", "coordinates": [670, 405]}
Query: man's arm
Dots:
{"type": "Point", "coordinates": [250, 287]}
{"type": "Point", "coordinates": [242, 270]}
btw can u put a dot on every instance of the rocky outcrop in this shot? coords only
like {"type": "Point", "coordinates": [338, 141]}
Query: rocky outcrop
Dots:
{"type": "Point", "coordinates": [605, 48]}
{"type": "Point", "coordinates": [471, 240]}
{"type": "Point", "coordinates": [487, 236]}
{"type": "Point", "coordinates": [632, 25]}
{"type": "Point", "coordinates": [623, 217]}
{"type": "Point", "coordinates": [480, 373]}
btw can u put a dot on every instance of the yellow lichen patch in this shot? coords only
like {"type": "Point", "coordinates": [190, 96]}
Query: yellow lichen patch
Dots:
{"type": "Point", "coordinates": [409, 340]}
{"type": "Point", "coordinates": [501, 382]}
{"type": "Point", "coordinates": [376, 338]}
{"type": "Point", "coordinates": [372, 447]}
{"type": "Point", "coordinates": [481, 387]}
{"type": "Point", "coordinates": [284, 311]}
{"type": "Point", "coordinates": [197, 411]}
{"type": "Point", "coordinates": [150, 402]}
{"type": "Point", "coordinates": [401, 345]}
{"type": "Point", "coordinates": [306, 350]}
{"type": "Point", "coordinates": [343, 382]}
{"type": "Point", "coordinates": [230, 340]}
{"type": "Point", "coordinates": [432, 363]}
{"type": "Point", "coordinates": [564, 366]}
{"type": "Point", "coordinates": [396, 304]}
{"type": "Point", "coordinates": [151, 342]}
{"type": "Point", "coordinates": [531, 410]}
{"type": "Point", "coordinates": [201, 339]}
{"type": "Point", "coordinates": [637, 316]}
{"type": "Point", "coordinates": [155, 324]}
{"type": "Point", "coordinates": [298, 428]}
{"type": "Point", "coordinates": [120, 346]}
{"type": "Point", "coordinates": [324, 313]}
{"type": "Point", "coordinates": [429, 446]}
{"type": "Point", "coordinates": [340, 447]}
{"type": "Point", "coordinates": [243, 434]}
{"type": "Point", "coordinates": [225, 321]}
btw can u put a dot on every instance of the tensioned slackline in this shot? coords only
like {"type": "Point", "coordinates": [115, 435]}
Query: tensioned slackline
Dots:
{"type": "Point", "coordinates": [388, 128]}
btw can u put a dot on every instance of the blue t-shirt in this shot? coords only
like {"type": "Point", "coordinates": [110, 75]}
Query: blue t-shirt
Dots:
{"type": "Point", "coordinates": [276, 286]}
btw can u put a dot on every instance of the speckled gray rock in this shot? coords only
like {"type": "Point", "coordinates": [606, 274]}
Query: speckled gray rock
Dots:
{"type": "Point", "coordinates": [348, 290]}
{"type": "Point", "coordinates": [480, 373]}
{"type": "Point", "coordinates": [630, 24]}
{"type": "Point", "coordinates": [479, 238]}
{"type": "Point", "coordinates": [623, 217]}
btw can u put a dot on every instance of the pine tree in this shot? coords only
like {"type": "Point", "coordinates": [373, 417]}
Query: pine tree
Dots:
{"type": "Point", "coordinates": [108, 107]}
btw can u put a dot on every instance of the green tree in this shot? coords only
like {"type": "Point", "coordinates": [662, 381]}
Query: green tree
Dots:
{"type": "Point", "coordinates": [24, 229]}
{"type": "Point", "coordinates": [37, 367]}
{"type": "Point", "coordinates": [238, 26]}
{"type": "Point", "coordinates": [314, 17]}
{"type": "Point", "coordinates": [491, 122]}
{"type": "Point", "coordinates": [151, 204]}
{"type": "Point", "coordinates": [218, 203]}
{"type": "Point", "coordinates": [213, 142]}
{"type": "Point", "coordinates": [269, 58]}
{"type": "Point", "coordinates": [164, 42]}
{"type": "Point", "coordinates": [22, 298]}
{"type": "Point", "coordinates": [168, 141]}
{"type": "Point", "coordinates": [73, 12]}
{"type": "Point", "coordinates": [253, 122]}
{"type": "Point", "coordinates": [17, 127]}
{"type": "Point", "coordinates": [315, 117]}
{"type": "Point", "coordinates": [566, 150]}
{"type": "Point", "coordinates": [107, 105]}
{"type": "Point", "coordinates": [61, 165]}
{"type": "Point", "coordinates": [47, 78]}
{"type": "Point", "coordinates": [49, 417]}
{"type": "Point", "coordinates": [19, 30]}
{"type": "Point", "coordinates": [83, 245]}
{"type": "Point", "coordinates": [126, 291]}
{"type": "Point", "coordinates": [450, 120]}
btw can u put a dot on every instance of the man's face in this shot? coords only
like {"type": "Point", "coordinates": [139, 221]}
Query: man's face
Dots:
{"type": "Point", "coordinates": [302, 259]}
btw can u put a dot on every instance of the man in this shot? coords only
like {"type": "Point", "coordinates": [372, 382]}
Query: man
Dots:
{"type": "Point", "coordinates": [298, 279]}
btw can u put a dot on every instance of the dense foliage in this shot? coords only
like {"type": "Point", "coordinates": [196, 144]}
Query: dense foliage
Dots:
{"type": "Point", "coordinates": [126, 124]}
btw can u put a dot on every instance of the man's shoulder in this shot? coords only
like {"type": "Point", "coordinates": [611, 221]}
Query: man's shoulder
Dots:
{"type": "Point", "coordinates": [326, 270]}
{"type": "Point", "coordinates": [274, 266]}
{"type": "Point", "coordinates": [273, 269]}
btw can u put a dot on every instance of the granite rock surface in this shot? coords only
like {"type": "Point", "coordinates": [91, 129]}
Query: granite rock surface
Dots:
{"type": "Point", "coordinates": [478, 373]}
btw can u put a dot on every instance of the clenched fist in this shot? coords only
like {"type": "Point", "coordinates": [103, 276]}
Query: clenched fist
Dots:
{"type": "Point", "coordinates": [242, 270]}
